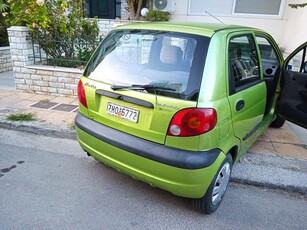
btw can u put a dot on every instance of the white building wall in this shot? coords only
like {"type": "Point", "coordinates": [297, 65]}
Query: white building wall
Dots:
{"type": "Point", "coordinates": [294, 32]}
{"type": "Point", "coordinates": [288, 31]}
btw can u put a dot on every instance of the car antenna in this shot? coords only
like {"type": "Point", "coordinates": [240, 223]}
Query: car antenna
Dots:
{"type": "Point", "coordinates": [214, 17]}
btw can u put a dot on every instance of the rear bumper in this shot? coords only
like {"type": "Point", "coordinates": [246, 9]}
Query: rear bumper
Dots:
{"type": "Point", "coordinates": [166, 155]}
{"type": "Point", "coordinates": [184, 173]}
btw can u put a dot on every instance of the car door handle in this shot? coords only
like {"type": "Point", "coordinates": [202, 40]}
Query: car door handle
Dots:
{"type": "Point", "coordinates": [240, 105]}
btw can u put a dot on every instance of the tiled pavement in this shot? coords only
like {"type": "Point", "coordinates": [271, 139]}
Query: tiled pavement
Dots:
{"type": "Point", "coordinates": [53, 109]}
{"type": "Point", "coordinates": [62, 111]}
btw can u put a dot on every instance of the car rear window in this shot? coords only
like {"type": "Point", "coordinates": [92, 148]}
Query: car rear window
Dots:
{"type": "Point", "coordinates": [148, 57]}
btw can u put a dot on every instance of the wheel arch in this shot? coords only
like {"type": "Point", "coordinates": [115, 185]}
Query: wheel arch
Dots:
{"type": "Point", "coordinates": [234, 153]}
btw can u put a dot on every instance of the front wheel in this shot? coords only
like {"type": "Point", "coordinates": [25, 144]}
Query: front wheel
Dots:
{"type": "Point", "coordinates": [278, 122]}
{"type": "Point", "coordinates": [217, 189]}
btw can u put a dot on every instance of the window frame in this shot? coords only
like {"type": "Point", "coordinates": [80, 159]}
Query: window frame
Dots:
{"type": "Point", "coordinates": [233, 14]}
{"type": "Point", "coordinates": [232, 88]}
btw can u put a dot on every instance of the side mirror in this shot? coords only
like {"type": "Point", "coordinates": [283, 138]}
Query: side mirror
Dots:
{"type": "Point", "coordinates": [305, 67]}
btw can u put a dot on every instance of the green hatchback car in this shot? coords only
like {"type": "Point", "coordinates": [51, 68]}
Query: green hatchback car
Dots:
{"type": "Point", "coordinates": [176, 105]}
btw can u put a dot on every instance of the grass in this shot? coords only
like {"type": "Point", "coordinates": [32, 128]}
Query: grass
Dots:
{"type": "Point", "coordinates": [21, 117]}
{"type": "Point", "coordinates": [44, 100]}
{"type": "Point", "coordinates": [71, 126]}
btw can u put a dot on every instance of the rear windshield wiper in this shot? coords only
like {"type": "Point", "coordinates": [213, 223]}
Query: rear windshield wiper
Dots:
{"type": "Point", "coordinates": [141, 87]}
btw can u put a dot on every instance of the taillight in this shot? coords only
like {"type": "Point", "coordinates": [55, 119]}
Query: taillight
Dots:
{"type": "Point", "coordinates": [81, 94]}
{"type": "Point", "coordinates": [192, 122]}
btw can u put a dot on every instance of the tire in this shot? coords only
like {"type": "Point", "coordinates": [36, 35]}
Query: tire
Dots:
{"type": "Point", "coordinates": [278, 122]}
{"type": "Point", "coordinates": [216, 191]}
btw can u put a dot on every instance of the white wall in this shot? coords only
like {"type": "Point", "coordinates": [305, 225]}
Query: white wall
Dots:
{"type": "Point", "coordinates": [295, 29]}
{"type": "Point", "coordinates": [289, 31]}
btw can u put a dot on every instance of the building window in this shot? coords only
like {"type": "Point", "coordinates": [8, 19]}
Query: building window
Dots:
{"type": "Point", "coordinates": [268, 7]}
{"type": "Point", "coordinates": [259, 8]}
{"type": "Point", "coordinates": [199, 7]}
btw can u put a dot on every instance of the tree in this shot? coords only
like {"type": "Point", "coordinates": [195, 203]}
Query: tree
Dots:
{"type": "Point", "coordinates": [134, 7]}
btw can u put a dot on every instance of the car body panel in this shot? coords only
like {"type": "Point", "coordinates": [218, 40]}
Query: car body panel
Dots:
{"type": "Point", "coordinates": [238, 124]}
{"type": "Point", "coordinates": [181, 182]}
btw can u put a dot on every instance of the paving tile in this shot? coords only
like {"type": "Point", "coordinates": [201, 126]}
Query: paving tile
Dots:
{"type": "Point", "coordinates": [263, 147]}
{"type": "Point", "coordinates": [58, 117]}
{"type": "Point", "coordinates": [283, 135]}
{"type": "Point", "coordinates": [40, 97]}
{"type": "Point", "coordinates": [75, 102]}
{"type": "Point", "coordinates": [21, 96]}
{"type": "Point", "coordinates": [66, 100]}
{"type": "Point", "coordinates": [5, 93]}
{"type": "Point", "coordinates": [44, 105]}
{"type": "Point", "coordinates": [65, 107]}
{"type": "Point", "coordinates": [23, 104]}
{"type": "Point", "coordinates": [4, 111]}
{"type": "Point", "coordinates": [7, 102]}
{"type": "Point", "coordinates": [265, 136]}
{"type": "Point", "coordinates": [290, 150]}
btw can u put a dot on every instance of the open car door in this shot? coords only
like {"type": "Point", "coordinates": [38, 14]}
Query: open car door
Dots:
{"type": "Point", "coordinates": [293, 99]}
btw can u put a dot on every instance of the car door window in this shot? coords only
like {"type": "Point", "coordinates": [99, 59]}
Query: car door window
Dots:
{"type": "Point", "coordinates": [270, 68]}
{"type": "Point", "coordinates": [268, 56]}
{"type": "Point", "coordinates": [298, 61]}
{"type": "Point", "coordinates": [243, 63]}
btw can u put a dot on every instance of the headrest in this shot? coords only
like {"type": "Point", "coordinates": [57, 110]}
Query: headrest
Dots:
{"type": "Point", "coordinates": [170, 54]}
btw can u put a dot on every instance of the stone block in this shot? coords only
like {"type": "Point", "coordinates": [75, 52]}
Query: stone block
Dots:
{"type": "Point", "coordinates": [35, 88]}
{"type": "Point", "coordinates": [36, 77]}
{"type": "Point", "coordinates": [22, 87]}
{"type": "Point", "coordinates": [45, 72]}
{"type": "Point", "coordinates": [70, 86]}
{"type": "Point", "coordinates": [60, 74]}
{"type": "Point", "coordinates": [28, 70]}
{"type": "Point", "coordinates": [19, 81]}
{"type": "Point", "coordinates": [29, 81]}
{"type": "Point", "coordinates": [66, 79]}
{"type": "Point", "coordinates": [56, 85]}
{"type": "Point", "coordinates": [66, 92]}
{"type": "Point", "coordinates": [40, 83]}
{"type": "Point", "coordinates": [49, 78]}
{"type": "Point", "coordinates": [18, 63]}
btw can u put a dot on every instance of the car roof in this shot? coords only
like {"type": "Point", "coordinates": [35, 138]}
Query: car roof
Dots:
{"type": "Point", "coordinates": [206, 29]}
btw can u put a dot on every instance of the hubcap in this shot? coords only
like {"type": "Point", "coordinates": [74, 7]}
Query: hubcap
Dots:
{"type": "Point", "coordinates": [221, 183]}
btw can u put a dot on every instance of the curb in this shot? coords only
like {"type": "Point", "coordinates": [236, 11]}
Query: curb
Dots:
{"type": "Point", "coordinates": [40, 128]}
{"type": "Point", "coordinates": [261, 170]}
{"type": "Point", "coordinates": [271, 171]}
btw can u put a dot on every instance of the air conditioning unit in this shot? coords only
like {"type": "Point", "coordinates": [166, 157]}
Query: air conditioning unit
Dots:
{"type": "Point", "coordinates": [164, 5]}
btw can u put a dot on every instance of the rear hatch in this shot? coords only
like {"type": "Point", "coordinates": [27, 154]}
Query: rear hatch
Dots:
{"type": "Point", "coordinates": [137, 80]}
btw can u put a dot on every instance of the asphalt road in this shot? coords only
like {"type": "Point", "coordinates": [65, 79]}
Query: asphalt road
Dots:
{"type": "Point", "coordinates": [49, 183]}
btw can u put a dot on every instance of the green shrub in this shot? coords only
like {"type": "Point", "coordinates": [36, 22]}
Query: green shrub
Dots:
{"type": "Point", "coordinates": [56, 25]}
{"type": "Point", "coordinates": [157, 15]}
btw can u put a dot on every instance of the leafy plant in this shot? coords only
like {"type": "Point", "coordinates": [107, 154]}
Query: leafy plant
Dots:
{"type": "Point", "coordinates": [296, 6]}
{"type": "Point", "coordinates": [21, 117]}
{"type": "Point", "coordinates": [56, 26]}
{"type": "Point", "coordinates": [157, 15]}
{"type": "Point", "coordinates": [3, 25]}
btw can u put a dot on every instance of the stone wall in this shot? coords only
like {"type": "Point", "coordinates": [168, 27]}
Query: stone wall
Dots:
{"type": "Point", "coordinates": [47, 80]}
{"type": "Point", "coordinates": [5, 59]}
{"type": "Point", "coordinates": [38, 79]}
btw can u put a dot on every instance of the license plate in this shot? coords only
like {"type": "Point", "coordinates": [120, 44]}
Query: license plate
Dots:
{"type": "Point", "coordinates": [123, 112]}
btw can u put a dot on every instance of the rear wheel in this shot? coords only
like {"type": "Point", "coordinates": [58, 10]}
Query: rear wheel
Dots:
{"type": "Point", "coordinates": [278, 122]}
{"type": "Point", "coordinates": [217, 189]}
